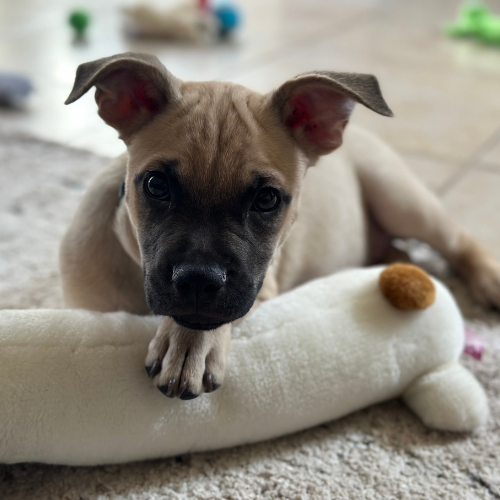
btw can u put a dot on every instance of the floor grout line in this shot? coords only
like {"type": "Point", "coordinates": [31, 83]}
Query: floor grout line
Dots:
{"type": "Point", "coordinates": [425, 155]}
{"type": "Point", "coordinates": [468, 164]}
{"type": "Point", "coordinates": [488, 166]}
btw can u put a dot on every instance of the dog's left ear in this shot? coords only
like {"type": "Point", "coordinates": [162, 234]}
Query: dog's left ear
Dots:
{"type": "Point", "coordinates": [131, 89]}
{"type": "Point", "coordinates": [315, 107]}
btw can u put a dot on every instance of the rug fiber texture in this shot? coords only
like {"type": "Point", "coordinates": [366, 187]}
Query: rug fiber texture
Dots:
{"type": "Point", "coordinates": [383, 452]}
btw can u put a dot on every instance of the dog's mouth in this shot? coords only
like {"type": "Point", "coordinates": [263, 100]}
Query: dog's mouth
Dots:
{"type": "Point", "coordinates": [198, 321]}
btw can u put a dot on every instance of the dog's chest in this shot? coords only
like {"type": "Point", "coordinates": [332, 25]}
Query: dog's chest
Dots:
{"type": "Point", "coordinates": [331, 231]}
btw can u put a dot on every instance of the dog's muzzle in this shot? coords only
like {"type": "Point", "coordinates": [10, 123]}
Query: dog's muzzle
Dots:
{"type": "Point", "coordinates": [199, 285]}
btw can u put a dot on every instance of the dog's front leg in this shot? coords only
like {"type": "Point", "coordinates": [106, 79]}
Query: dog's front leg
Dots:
{"type": "Point", "coordinates": [405, 208]}
{"type": "Point", "coordinates": [184, 362]}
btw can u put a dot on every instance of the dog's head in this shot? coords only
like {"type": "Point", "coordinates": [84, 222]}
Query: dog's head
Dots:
{"type": "Point", "coordinates": [214, 173]}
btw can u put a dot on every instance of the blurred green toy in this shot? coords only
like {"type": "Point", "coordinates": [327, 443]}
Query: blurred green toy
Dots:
{"type": "Point", "coordinates": [475, 20]}
{"type": "Point", "coordinates": [79, 21]}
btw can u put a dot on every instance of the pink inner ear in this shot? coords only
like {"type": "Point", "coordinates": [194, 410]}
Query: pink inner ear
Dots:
{"type": "Point", "coordinates": [126, 99]}
{"type": "Point", "coordinates": [318, 116]}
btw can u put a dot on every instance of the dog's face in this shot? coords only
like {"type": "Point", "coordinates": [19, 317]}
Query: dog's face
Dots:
{"type": "Point", "coordinates": [211, 189]}
{"type": "Point", "coordinates": [214, 174]}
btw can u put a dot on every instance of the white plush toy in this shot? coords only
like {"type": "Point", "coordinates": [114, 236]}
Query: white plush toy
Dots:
{"type": "Point", "coordinates": [73, 389]}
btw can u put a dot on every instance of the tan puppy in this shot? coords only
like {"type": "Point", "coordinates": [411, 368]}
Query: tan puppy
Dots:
{"type": "Point", "coordinates": [214, 176]}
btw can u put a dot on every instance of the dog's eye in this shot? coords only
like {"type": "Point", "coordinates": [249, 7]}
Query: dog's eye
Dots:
{"type": "Point", "coordinates": [157, 187]}
{"type": "Point", "coordinates": [267, 200]}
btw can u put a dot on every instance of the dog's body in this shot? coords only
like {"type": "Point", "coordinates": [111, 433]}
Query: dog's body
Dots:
{"type": "Point", "coordinates": [352, 203]}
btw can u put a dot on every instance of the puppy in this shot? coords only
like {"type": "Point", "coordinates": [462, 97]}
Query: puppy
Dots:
{"type": "Point", "coordinates": [211, 212]}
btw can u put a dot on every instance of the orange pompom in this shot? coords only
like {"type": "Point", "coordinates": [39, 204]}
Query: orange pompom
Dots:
{"type": "Point", "coordinates": [407, 287]}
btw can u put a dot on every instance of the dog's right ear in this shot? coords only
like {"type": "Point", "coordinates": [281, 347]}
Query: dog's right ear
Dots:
{"type": "Point", "coordinates": [131, 89]}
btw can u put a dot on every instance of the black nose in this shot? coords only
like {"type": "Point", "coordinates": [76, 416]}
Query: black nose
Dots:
{"type": "Point", "coordinates": [198, 283]}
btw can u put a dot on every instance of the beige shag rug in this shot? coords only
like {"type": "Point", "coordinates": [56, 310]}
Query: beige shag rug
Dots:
{"type": "Point", "coordinates": [383, 452]}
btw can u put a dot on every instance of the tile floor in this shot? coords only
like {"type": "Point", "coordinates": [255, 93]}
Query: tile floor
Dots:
{"type": "Point", "coordinates": [445, 93]}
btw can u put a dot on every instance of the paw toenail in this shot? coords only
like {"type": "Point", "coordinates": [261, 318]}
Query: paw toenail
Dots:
{"type": "Point", "coordinates": [171, 388]}
{"type": "Point", "coordinates": [163, 389]}
{"type": "Point", "coordinates": [167, 389]}
{"type": "Point", "coordinates": [154, 369]}
{"type": "Point", "coordinates": [210, 385]}
{"type": "Point", "coordinates": [187, 395]}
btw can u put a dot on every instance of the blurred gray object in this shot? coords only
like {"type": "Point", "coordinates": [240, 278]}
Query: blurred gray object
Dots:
{"type": "Point", "coordinates": [14, 89]}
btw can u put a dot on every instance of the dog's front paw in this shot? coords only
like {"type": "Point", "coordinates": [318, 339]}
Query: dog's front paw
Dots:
{"type": "Point", "coordinates": [481, 271]}
{"type": "Point", "coordinates": [485, 284]}
{"type": "Point", "coordinates": [185, 363]}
